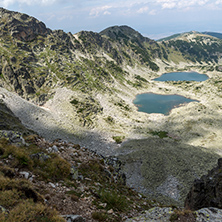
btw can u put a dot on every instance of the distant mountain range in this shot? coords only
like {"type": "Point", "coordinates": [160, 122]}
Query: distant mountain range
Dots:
{"type": "Point", "coordinates": [213, 34]}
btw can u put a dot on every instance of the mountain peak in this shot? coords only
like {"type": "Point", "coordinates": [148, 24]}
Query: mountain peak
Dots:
{"type": "Point", "coordinates": [21, 26]}
{"type": "Point", "coordinates": [121, 32]}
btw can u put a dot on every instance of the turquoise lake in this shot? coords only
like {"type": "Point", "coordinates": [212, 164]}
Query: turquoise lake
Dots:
{"type": "Point", "coordinates": [182, 76]}
{"type": "Point", "coordinates": [156, 103]}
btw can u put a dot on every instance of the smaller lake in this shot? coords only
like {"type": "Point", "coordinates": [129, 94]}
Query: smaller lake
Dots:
{"type": "Point", "coordinates": [156, 103]}
{"type": "Point", "coordinates": [182, 76]}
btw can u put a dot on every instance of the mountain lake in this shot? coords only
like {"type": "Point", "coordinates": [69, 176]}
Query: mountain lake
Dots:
{"type": "Point", "coordinates": [182, 76]}
{"type": "Point", "coordinates": [156, 103]}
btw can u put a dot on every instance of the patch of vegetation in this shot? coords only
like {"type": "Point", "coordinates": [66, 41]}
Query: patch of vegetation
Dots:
{"type": "Point", "coordinates": [94, 168]}
{"type": "Point", "coordinates": [47, 166]}
{"type": "Point", "coordinates": [140, 78]}
{"type": "Point", "coordinates": [122, 105]}
{"type": "Point", "coordinates": [161, 134]}
{"type": "Point", "coordinates": [119, 139]}
{"type": "Point", "coordinates": [20, 157]}
{"type": "Point", "coordinates": [113, 200]}
{"type": "Point", "coordinates": [110, 120]}
{"type": "Point", "coordinates": [219, 68]}
{"type": "Point", "coordinates": [22, 201]}
{"type": "Point", "coordinates": [75, 195]}
{"type": "Point", "coordinates": [86, 109]}
{"type": "Point", "coordinates": [29, 211]}
{"type": "Point", "coordinates": [183, 215]}
{"type": "Point", "coordinates": [74, 102]}
{"type": "Point", "coordinates": [100, 216]}
{"type": "Point", "coordinates": [54, 168]}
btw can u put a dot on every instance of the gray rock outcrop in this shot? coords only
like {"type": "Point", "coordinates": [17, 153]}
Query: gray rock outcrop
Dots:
{"type": "Point", "coordinates": [206, 191]}
{"type": "Point", "coordinates": [21, 26]}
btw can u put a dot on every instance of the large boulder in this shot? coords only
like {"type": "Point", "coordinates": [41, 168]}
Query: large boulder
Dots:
{"type": "Point", "coordinates": [206, 191]}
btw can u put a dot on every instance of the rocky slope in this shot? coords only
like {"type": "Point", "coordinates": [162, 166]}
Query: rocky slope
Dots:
{"type": "Point", "coordinates": [80, 87]}
{"type": "Point", "coordinates": [60, 181]}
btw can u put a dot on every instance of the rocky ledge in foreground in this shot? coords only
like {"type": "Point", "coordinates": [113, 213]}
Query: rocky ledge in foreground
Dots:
{"type": "Point", "coordinates": [61, 181]}
{"type": "Point", "coordinates": [206, 191]}
{"type": "Point", "coordinates": [166, 214]}
{"type": "Point", "coordinates": [203, 202]}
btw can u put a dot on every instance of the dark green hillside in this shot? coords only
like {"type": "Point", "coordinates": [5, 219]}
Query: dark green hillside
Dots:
{"type": "Point", "coordinates": [214, 34]}
{"type": "Point", "coordinates": [198, 50]}
{"type": "Point", "coordinates": [169, 37]}
{"type": "Point", "coordinates": [176, 36]}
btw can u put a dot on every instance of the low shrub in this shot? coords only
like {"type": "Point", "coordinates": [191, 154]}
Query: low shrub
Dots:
{"type": "Point", "coordinates": [54, 168]}
{"type": "Point", "coordinates": [114, 200]}
{"type": "Point", "coordinates": [9, 198]}
{"type": "Point", "coordinates": [28, 211]}
{"type": "Point", "coordinates": [100, 216]}
{"type": "Point", "coordinates": [183, 215]}
{"type": "Point", "coordinates": [119, 139]}
{"type": "Point", "coordinates": [20, 155]}
{"type": "Point", "coordinates": [161, 134]}
{"type": "Point", "coordinates": [22, 203]}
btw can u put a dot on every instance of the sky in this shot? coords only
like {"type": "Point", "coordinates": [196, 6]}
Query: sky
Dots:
{"type": "Point", "coordinates": [152, 18]}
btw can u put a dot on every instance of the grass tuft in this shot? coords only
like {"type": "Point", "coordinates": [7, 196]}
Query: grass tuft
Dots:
{"type": "Point", "coordinates": [29, 211]}
{"type": "Point", "coordinates": [113, 200]}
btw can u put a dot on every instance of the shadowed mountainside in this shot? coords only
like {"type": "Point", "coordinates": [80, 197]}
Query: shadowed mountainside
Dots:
{"type": "Point", "coordinates": [164, 169]}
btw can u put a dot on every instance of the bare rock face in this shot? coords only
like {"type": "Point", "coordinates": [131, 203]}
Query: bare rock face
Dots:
{"type": "Point", "coordinates": [21, 26]}
{"type": "Point", "coordinates": [206, 191]}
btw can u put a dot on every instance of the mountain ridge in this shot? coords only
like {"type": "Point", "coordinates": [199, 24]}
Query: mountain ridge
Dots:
{"type": "Point", "coordinates": [180, 35]}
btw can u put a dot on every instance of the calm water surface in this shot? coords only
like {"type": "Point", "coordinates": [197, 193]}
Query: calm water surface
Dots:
{"type": "Point", "coordinates": [182, 76]}
{"type": "Point", "coordinates": [156, 103]}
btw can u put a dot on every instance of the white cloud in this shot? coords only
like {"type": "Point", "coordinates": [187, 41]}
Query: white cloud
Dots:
{"type": "Point", "coordinates": [152, 12]}
{"type": "Point", "coordinates": [170, 4]}
{"type": "Point", "coordinates": [6, 3]}
{"type": "Point", "coordinates": [121, 8]}
{"type": "Point", "coordinates": [96, 8]}
{"type": "Point", "coordinates": [107, 13]}
{"type": "Point", "coordinates": [100, 10]}
{"type": "Point", "coordinates": [143, 10]}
